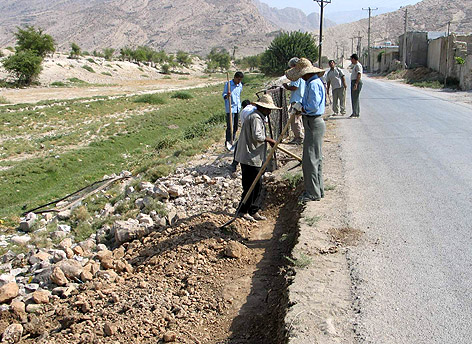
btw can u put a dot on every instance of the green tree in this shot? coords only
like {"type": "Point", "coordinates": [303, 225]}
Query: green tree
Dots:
{"type": "Point", "coordinates": [159, 56]}
{"type": "Point", "coordinates": [284, 47]}
{"type": "Point", "coordinates": [183, 58]}
{"type": "Point", "coordinates": [25, 65]}
{"type": "Point", "coordinates": [126, 54]}
{"type": "Point", "coordinates": [108, 53]}
{"type": "Point", "coordinates": [74, 51]}
{"type": "Point", "coordinates": [218, 58]}
{"type": "Point", "coordinates": [35, 41]}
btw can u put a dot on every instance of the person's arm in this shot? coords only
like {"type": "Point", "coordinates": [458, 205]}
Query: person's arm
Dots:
{"type": "Point", "coordinates": [227, 91]}
{"type": "Point", "coordinates": [289, 87]}
{"type": "Point", "coordinates": [358, 79]}
{"type": "Point", "coordinates": [344, 82]}
{"type": "Point", "coordinates": [258, 132]}
{"type": "Point", "coordinates": [270, 141]}
{"type": "Point", "coordinates": [328, 84]}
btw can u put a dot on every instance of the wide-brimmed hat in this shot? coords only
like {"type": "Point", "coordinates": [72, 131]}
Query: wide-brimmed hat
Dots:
{"type": "Point", "coordinates": [304, 66]}
{"type": "Point", "coordinates": [267, 102]}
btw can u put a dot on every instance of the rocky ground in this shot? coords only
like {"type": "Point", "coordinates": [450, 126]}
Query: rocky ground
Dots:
{"type": "Point", "coordinates": [168, 274]}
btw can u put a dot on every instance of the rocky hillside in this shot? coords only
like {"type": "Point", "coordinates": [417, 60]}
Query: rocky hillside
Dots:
{"type": "Point", "coordinates": [427, 15]}
{"type": "Point", "coordinates": [291, 19]}
{"type": "Point", "coordinates": [190, 25]}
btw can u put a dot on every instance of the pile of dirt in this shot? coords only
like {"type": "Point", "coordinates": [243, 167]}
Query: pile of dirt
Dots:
{"type": "Point", "coordinates": [419, 74]}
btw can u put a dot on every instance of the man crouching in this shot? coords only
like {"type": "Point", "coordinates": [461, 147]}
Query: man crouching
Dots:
{"type": "Point", "coordinates": [251, 153]}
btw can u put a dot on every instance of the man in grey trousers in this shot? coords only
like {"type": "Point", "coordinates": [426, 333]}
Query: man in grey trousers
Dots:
{"type": "Point", "coordinates": [356, 85]}
{"type": "Point", "coordinates": [313, 103]}
{"type": "Point", "coordinates": [335, 79]}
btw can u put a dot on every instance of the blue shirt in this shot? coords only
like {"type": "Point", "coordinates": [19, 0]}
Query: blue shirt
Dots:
{"type": "Point", "coordinates": [315, 97]}
{"type": "Point", "coordinates": [235, 96]}
{"type": "Point", "coordinates": [297, 96]}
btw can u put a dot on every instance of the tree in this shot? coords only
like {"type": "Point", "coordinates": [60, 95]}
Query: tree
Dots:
{"type": "Point", "coordinates": [218, 58]}
{"type": "Point", "coordinates": [74, 51]}
{"type": "Point", "coordinates": [25, 65]}
{"type": "Point", "coordinates": [284, 47]}
{"type": "Point", "coordinates": [108, 53]}
{"type": "Point", "coordinates": [35, 41]}
{"type": "Point", "coordinates": [126, 54]}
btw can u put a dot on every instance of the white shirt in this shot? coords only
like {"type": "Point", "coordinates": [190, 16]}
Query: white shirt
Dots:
{"type": "Point", "coordinates": [246, 112]}
{"type": "Point", "coordinates": [356, 69]}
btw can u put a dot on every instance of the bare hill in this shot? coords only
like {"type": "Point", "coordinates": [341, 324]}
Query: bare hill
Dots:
{"type": "Point", "coordinates": [191, 25]}
{"type": "Point", "coordinates": [427, 15]}
{"type": "Point", "coordinates": [291, 19]}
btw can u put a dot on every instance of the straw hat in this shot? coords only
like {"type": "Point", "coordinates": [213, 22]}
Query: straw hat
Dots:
{"type": "Point", "coordinates": [304, 66]}
{"type": "Point", "coordinates": [267, 102]}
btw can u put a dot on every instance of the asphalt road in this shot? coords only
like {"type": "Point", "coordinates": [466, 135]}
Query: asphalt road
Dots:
{"type": "Point", "coordinates": [408, 162]}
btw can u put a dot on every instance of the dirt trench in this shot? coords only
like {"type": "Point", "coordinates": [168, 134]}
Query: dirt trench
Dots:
{"type": "Point", "coordinates": [185, 285]}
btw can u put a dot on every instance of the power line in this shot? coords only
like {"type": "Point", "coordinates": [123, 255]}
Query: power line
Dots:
{"type": "Point", "coordinates": [370, 9]}
{"type": "Point", "coordinates": [323, 4]}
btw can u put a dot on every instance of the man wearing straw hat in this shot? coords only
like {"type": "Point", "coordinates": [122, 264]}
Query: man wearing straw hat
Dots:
{"type": "Point", "coordinates": [251, 152]}
{"type": "Point", "coordinates": [313, 104]}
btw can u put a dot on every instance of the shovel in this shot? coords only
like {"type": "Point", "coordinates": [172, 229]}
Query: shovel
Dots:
{"type": "Point", "coordinates": [261, 172]}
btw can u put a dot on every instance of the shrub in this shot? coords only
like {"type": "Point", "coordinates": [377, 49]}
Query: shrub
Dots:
{"type": "Point", "coordinates": [182, 95]}
{"type": "Point", "coordinates": [108, 53]}
{"type": "Point", "coordinates": [459, 60]}
{"type": "Point", "coordinates": [74, 51]}
{"type": "Point", "coordinates": [183, 58]}
{"type": "Point", "coordinates": [58, 84]}
{"type": "Point", "coordinates": [88, 68]}
{"type": "Point", "coordinates": [91, 60]}
{"type": "Point", "coordinates": [150, 99]}
{"type": "Point", "coordinates": [107, 73]}
{"type": "Point", "coordinates": [165, 69]}
{"type": "Point", "coordinates": [218, 59]}
{"type": "Point", "coordinates": [285, 46]}
{"type": "Point", "coordinates": [25, 65]}
{"type": "Point", "coordinates": [3, 100]}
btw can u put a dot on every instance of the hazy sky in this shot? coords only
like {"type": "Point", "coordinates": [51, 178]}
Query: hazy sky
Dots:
{"type": "Point", "coordinates": [309, 6]}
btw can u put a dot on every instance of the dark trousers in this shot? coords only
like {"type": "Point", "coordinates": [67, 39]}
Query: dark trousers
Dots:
{"type": "Point", "coordinates": [356, 107]}
{"type": "Point", "coordinates": [235, 126]}
{"type": "Point", "coordinates": [253, 204]}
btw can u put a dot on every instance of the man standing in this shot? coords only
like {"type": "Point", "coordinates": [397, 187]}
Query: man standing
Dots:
{"type": "Point", "coordinates": [356, 85]}
{"type": "Point", "coordinates": [297, 89]}
{"type": "Point", "coordinates": [335, 79]}
{"type": "Point", "coordinates": [232, 97]}
{"type": "Point", "coordinates": [313, 103]}
{"type": "Point", "coordinates": [251, 152]}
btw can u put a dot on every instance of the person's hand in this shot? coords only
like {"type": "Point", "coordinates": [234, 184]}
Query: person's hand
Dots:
{"type": "Point", "coordinates": [345, 86]}
{"type": "Point", "coordinates": [355, 87]}
{"type": "Point", "coordinates": [270, 141]}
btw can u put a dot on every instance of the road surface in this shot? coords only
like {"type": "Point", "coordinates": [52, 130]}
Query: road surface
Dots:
{"type": "Point", "coordinates": [408, 162]}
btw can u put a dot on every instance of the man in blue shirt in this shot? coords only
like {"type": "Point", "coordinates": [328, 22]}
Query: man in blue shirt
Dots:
{"type": "Point", "coordinates": [297, 89]}
{"type": "Point", "coordinates": [233, 97]}
{"type": "Point", "coordinates": [313, 104]}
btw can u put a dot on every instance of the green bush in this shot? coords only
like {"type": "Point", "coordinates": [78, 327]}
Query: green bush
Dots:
{"type": "Point", "coordinates": [35, 41]}
{"type": "Point", "coordinates": [108, 53]}
{"type": "Point", "coordinates": [459, 60]}
{"type": "Point", "coordinates": [58, 84]}
{"type": "Point", "coordinates": [182, 95]}
{"type": "Point", "coordinates": [218, 58]}
{"type": "Point", "coordinates": [285, 46]}
{"type": "Point", "coordinates": [154, 99]}
{"type": "Point", "coordinates": [107, 73]}
{"type": "Point", "coordinates": [77, 81]}
{"type": "Point", "coordinates": [91, 60]}
{"type": "Point", "coordinates": [88, 68]}
{"type": "Point", "coordinates": [74, 51]}
{"type": "Point", "coordinates": [24, 65]}
{"type": "Point", "coordinates": [165, 69]}
{"type": "Point", "coordinates": [183, 58]}
{"type": "Point", "coordinates": [3, 100]}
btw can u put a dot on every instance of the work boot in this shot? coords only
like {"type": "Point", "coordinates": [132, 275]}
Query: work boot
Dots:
{"type": "Point", "coordinates": [259, 217]}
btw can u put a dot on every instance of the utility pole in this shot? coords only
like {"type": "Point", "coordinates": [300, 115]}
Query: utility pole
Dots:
{"type": "Point", "coordinates": [352, 45]}
{"type": "Point", "coordinates": [337, 51]}
{"type": "Point", "coordinates": [368, 33]}
{"type": "Point", "coordinates": [323, 4]}
{"type": "Point", "coordinates": [359, 39]}
{"type": "Point", "coordinates": [447, 52]}
{"type": "Point", "coordinates": [404, 52]}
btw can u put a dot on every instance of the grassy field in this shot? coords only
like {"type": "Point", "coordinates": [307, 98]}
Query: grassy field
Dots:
{"type": "Point", "coordinates": [50, 149]}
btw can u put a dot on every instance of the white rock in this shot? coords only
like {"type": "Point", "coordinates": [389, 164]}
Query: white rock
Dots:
{"type": "Point", "coordinates": [20, 239]}
{"type": "Point", "coordinates": [65, 214]}
{"type": "Point", "coordinates": [12, 334]}
{"type": "Point", "coordinates": [160, 191]}
{"type": "Point", "coordinates": [64, 228]}
{"type": "Point", "coordinates": [176, 191]}
{"type": "Point", "coordinates": [145, 219]}
{"type": "Point", "coordinates": [6, 278]}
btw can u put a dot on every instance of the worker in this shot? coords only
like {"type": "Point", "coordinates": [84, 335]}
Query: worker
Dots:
{"type": "Point", "coordinates": [297, 89]}
{"type": "Point", "coordinates": [251, 152]}
{"type": "Point", "coordinates": [232, 97]}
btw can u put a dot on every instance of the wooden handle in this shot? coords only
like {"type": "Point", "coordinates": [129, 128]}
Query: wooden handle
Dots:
{"type": "Point", "coordinates": [266, 163]}
{"type": "Point", "coordinates": [289, 153]}
{"type": "Point", "coordinates": [230, 114]}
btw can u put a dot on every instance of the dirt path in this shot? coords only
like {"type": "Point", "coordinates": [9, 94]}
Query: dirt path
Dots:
{"type": "Point", "coordinates": [36, 94]}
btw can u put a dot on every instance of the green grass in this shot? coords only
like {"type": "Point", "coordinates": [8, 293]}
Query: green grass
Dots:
{"type": "Point", "coordinates": [107, 73]}
{"type": "Point", "coordinates": [311, 221]}
{"type": "Point", "coordinates": [292, 179]}
{"type": "Point", "coordinates": [427, 84]}
{"type": "Point", "coordinates": [329, 187]}
{"type": "Point", "coordinates": [88, 69]}
{"type": "Point", "coordinates": [182, 95]}
{"type": "Point", "coordinates": [77, 81]}
{"type": "Point", "coordinates": [145, 75]}
{"type": "Point", "coordinates": [91, 60]}
{"type": "Point", "coordinates": [301, 262]}
{"type": "Point", "coordinates": [155, 99]}
{"type": "Point", "coordinates": [58, 84]}
{"type": "Point", "coordinates": [101, 143]}
{"type": "Point", "coordinates": [4, 100]}
{"type": "Point", "coordinates": [167, 77]}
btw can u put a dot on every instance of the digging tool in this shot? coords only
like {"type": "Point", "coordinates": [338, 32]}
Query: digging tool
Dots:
{"type": "Point", "coordinates": [272, 137]}
{"type": "Point", "coordinates": [230, 114]}
{"type": "Point", "coordinates": [261, 172]}
{"type": "Point", "coordinates": [289, 153]}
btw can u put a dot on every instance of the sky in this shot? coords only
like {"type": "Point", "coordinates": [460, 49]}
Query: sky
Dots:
{"type": "Point", "coordinates": [309, 6]}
